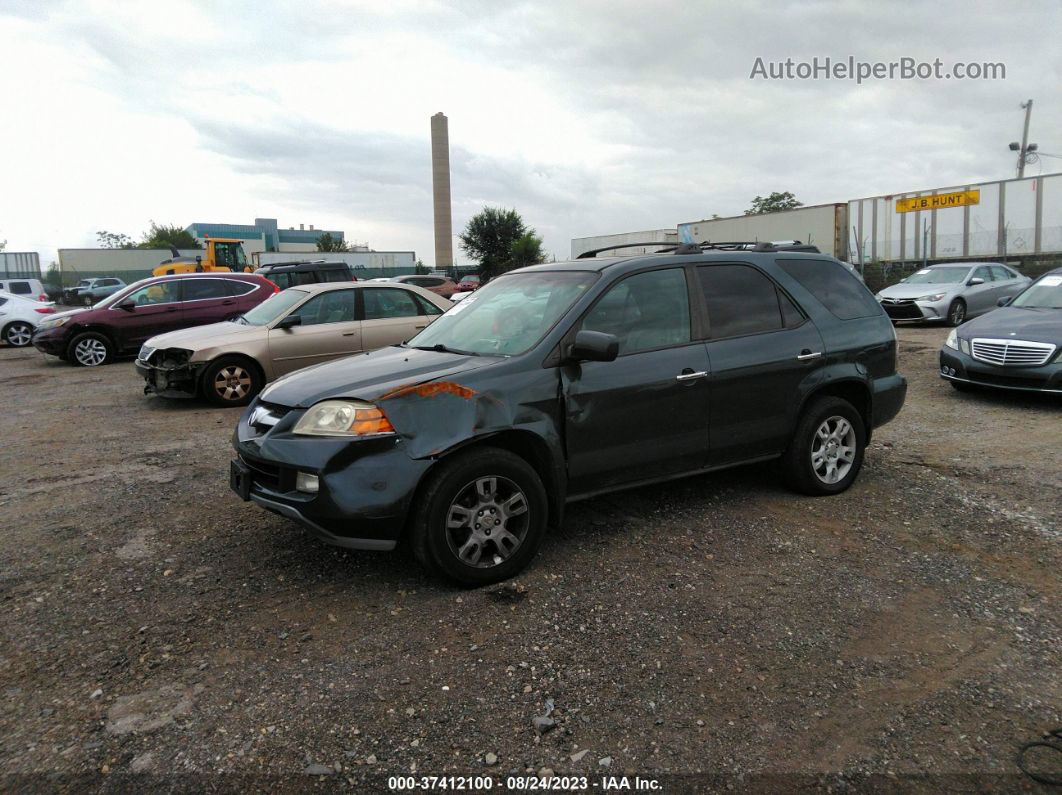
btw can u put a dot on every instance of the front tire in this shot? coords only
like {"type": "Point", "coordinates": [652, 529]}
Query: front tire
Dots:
{"type": "Point", "coordinates": [957, 312]}
{"type": "Point", "coordinates": [480, 518]}
{"type": "Point", "coordinates": [827, 449]}
{"type": "Point", "coordinates": [232, 381]}
{"type": "Point", "coordinates": [91, 349]}
{"type": "Point", "coordinates": [18, 334]}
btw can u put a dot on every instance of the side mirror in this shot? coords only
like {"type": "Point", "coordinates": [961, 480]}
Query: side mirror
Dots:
{"type": "Point", "coordinates": [593, 346]}
{"type": "Point", "coordinates": [289, 321]}
{"type": "Point", "coordinates": [1004, 300]}
{"type": "Point", "coordinates": [976, 280]}
{"type": "Point", "coordinates": [129, 305]}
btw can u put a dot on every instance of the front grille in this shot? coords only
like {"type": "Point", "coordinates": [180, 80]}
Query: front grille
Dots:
{"type": "Point", "coordinates": [265, 416]}
{"type": "Point", "coordinates": [901, 309]}
{"type": "Point", "coordinates": [271, 476]}
{"type": "Point", "coordinates": [1012, 353]}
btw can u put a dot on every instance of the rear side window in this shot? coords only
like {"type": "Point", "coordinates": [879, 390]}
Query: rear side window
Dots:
{"type": "Point", "coordinates": [1001, 274]}
{"type": "Point", "coordinates": [426, 307]}
{"type": "Point", "coordinates": [742, 301]}
{"type": "Point", "coordinates": [835, 288]}
{"type": "Point", "coordinates": [336, 275]}
{"type": "Point", "coordinates": [241, 287]}
{"type": "Point", "coordinates": [20, 288]}
{"type": "Point", "coordinates": [387, 302]}
{"type": "Point", "coordinates": [202, 289]}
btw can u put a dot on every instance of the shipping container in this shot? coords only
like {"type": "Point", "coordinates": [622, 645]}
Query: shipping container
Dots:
{"type": "Point", "coordinates": [581, 245]}
{"type": "Point", "coordinates": [20, 264]}
{"type": "Point", "coordinates": [371, 260]}
{"type": "Point", "coordinates": [821, 225]}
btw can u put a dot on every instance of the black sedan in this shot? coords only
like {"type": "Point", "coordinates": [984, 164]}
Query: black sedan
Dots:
{"type": "Point", "coordinates": [1016, 347]}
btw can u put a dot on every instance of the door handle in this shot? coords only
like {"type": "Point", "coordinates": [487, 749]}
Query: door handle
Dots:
{"type": "Point", "coordinates": [228, 302]}
{"type": "Point", "coordinates": [420, 327]}
{"type": "Point", "coordinates": [172, 309]}
{"type": "Point", "coordinates": [806, 354]}
{"type": "Point", "coordinates": [348, 333]}
{"type": "Point", "coordinates": [689, 375]}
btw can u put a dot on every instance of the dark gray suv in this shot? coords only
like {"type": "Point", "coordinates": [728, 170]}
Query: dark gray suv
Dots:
{"type": "Point", "coordinates": [567, 380]}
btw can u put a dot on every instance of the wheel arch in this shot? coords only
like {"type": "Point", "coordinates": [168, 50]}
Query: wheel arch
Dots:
{"type": "Point", "coordinates": [853, 390]}
{"type": "Point", "coordinates": [529, 446]}
{"type": "Point", "coordinates": [237, 356]}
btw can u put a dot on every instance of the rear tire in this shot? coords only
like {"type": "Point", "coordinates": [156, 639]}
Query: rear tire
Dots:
{"type": "Point", "coordinates": [18, 334]}
{"type": "Point", "coordinates": [90, 349]}
{"type": "Point", "coordinates": [232, 381]}
{"type": "Point", "coordinates": [826, 452]}
{"type": "Point", "coordinates": [957, 312]}
{"type": "Point", "coordinates": [480, 518]}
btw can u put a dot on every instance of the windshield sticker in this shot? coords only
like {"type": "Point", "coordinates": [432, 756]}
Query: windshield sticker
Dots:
{"type": "Point", "coordinates": [453, 310]}
{"type": "Point", "coordinates": [1051, 281]}
{"type": "Point", "coordinates": [924, 270]}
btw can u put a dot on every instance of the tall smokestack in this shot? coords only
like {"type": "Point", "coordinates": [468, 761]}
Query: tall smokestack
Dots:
{"type": "Point", "coordinates": [440, 184]}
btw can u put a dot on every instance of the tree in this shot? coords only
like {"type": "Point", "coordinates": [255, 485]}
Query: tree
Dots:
{"type": "Point", "coordinates": [114, 240]}
{"type": "Point", "coordinates": [526, 250]}
{"type": "Point", "coordinates": [3, 245]}
{"type": "Point", "coordinates": [773, 203]}
{"type": "Point", "coordinates": [328, 243]}
{"type": "Point", "coordinates": [163, 236]}
{"type": "Point", "coordinates": [490, 237]}
{"type": "Point", "coordinates": [420, 267]}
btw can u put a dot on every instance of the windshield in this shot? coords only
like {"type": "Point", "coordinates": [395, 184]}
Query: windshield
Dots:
{"type": "Point", "coordinates": [937, 276]}
{"type": "Point", "coordinates": [119, 295]}
{"type": "Point", "coordinates": [507, 316]}
{"type": "Point", "coordinates": [273, 307]}
{"type": "Point", "coordinates": [1043, 294]}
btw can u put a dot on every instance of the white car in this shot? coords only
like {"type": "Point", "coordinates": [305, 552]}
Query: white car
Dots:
{"type": "Point", "coordinates": [19, 317]}
{"type": "Point", "coordinates": [24, 288]}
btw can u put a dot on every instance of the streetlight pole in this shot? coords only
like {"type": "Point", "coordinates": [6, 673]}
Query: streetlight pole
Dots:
{"type": "Point", "coordinates": [1024, 140]}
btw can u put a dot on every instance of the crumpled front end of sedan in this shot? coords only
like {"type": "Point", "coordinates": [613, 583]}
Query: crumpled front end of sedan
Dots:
{"type": "Point", "coordinates": [169, 372]}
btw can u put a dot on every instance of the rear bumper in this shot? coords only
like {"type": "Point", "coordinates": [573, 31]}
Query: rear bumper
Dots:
{"type": "Point", "coordinates": [957, 366]}
{"type": "Point", "coordinates": [887, 397]}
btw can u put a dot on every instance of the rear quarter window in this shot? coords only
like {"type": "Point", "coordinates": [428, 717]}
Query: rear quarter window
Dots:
{"type": "Point", "coordinates": [835, 288]}
{"type": "Point", "coordinates": [20, 288]}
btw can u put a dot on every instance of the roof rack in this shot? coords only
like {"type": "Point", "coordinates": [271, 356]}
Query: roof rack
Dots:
{"type": "Point", "coordinates": [594, 252]}
{"type": "Point", "coordinates": [696, 248]}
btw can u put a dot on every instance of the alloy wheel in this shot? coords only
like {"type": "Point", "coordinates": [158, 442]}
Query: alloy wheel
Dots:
{"type": "Point", "coordinates": [90, 352]}
{"type": "Point", "coordinates": [19, 334]}
{"type": "Point", "coordinates": [958, 313]}
{"type": "Point", "coordinates": [232, 382]}
{"type": "Point", "coordinates": [833, 449]}
{"type": "Point", "coordinates": [487, 521]}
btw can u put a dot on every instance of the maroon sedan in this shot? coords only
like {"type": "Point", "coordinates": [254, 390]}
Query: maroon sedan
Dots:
{"type": "Point", "coordinates": [121, 322]}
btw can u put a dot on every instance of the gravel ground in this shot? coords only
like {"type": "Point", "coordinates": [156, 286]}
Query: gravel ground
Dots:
{"type": "Point", "coordinates": [905, 634]}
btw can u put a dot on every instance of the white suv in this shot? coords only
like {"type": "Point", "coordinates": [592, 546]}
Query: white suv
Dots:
{"type": "Point", "coordinates": [24, 288]}
{"type": "Point", "coordinates": [19, 317]}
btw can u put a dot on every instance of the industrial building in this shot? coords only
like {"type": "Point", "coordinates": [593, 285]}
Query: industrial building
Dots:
{"type": "Point", "coordinates": [1011, 219]}
{"type": "Point", "coordinates": [264, 235]}
{"type": "Point", "coordinates": [581, 245]}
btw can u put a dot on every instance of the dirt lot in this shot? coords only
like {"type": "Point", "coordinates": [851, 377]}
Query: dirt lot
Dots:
{"type": "Point", "coordinates": [908, 630]}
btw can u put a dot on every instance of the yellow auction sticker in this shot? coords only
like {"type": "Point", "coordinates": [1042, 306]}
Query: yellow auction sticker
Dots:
{"type": "Point", "coordinates": [941, 201]}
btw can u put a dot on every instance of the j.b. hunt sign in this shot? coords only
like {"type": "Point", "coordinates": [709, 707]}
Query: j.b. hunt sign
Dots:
{"type": "Point", "coordinates": [941, 201]}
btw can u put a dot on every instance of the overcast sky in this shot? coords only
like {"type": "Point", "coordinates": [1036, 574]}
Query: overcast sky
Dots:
{"type": "Point", "coordinates": [587, 117]}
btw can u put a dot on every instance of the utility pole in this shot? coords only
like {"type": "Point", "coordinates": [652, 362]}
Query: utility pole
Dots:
{"type": "Point", "coordinates": [1026, 147]}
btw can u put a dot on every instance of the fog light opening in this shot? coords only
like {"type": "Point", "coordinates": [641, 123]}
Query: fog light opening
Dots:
{"type": "Point", "coordinates": [306, 482]}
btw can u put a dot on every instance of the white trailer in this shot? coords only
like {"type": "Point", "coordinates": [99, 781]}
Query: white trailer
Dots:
{"type": "Point", "coordinates": [581, 245]}
{"type": "Point", "coordinates": [821, 225]}
{"type": "Point", "coordinates": [380, 260]}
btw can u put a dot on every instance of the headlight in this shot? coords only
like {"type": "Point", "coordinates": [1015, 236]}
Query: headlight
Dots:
{"type": "Point", "coordinates": [934, 297]}
{"type": "Point", "coordinates": [145, 352]}
{"type": "Point", "coordinates": [964, 346]}
{"type": "Point", "coordinates": [953, 340]}
{"type": "Point", "coordinates": [343, 418]}
{"type": "Point", "coordinates": [54, 322]}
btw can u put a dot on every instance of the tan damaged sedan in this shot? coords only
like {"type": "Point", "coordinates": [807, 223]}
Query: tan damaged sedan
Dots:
{"type": "Point", "coordinates": [229, 363]}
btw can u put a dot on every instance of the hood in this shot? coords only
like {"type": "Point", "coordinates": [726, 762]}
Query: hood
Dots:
{"type": "Point", "coordinates": [368, 375]}
{"type": "Point", "coordinates": [917, 290]}
{"type": "Point", "coordinates": [1014, 323]}
{"type": "Point", "coordinates": [206, 336]}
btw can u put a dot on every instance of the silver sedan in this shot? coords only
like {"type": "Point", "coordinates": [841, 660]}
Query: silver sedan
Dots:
{"type": "Point", "coordinates": [951, 293]}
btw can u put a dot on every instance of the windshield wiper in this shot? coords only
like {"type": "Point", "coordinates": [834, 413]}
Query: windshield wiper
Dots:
{"type": "Point", "coordinates": [440, 348]}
